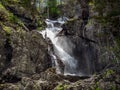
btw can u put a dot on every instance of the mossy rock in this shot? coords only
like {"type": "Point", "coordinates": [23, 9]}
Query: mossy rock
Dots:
{"type": "Point", "coordinates": [3, 13]}
{"type": "Point", "coordinates": [7, 30]}
{"type": "Point", "coordinates": [109, 72]}
{"type": "Point", "coordinates": [2, 7]}
{"type": "Point", "coordinates": [61, 86]}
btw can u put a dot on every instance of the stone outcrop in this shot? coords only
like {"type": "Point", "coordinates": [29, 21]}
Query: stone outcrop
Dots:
{"type": "Point", "coordinates": [83, 48]}
{"type": "Point", "coordinates": [29, 53]}
{"type": "Point", "coordinates": [26, 65]}
{"type": "Point", "coordinates": [90, 35]}
{"type": "Point", "coordinates": [107, 80]}
{"type": "Point", "coordinates": [22, 53]}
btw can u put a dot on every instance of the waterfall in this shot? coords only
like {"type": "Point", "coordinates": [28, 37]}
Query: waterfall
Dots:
{"type": "Point", "coordinates": [65, 62]}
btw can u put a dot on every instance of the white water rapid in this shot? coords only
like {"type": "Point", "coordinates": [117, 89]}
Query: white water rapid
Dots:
{"type": "Point", "coordinates": [63, 60]}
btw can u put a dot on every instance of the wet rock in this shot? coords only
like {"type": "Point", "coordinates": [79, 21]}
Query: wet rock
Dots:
{"type": "Point", "coordinates": [97, 81]}
{"type": "Point", "coordinates": [24, 58]}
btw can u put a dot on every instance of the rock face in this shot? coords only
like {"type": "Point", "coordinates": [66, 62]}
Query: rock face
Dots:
{"type": "Point", "coordinates": [94, 42]}
{"type": "Point", "coordinates": [83, 48]}
{"type": "Point", "coordinates": [23, 53]}
{"type": "Point", "coordinates": [107, 80]}
{"type": "Point", "coordinates": [26, 65]}
{"type": "Point", "coordinates": [33, 57]}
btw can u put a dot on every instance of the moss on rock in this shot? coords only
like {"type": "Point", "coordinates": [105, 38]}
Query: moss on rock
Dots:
{"type": "Point", "coordinates": [61, 86]}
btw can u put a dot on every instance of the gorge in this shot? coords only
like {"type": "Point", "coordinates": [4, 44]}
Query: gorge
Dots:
{"type": "Point", "coordinates": [63, 47]}
{"type": "Point", "coordinates": [59, 44]}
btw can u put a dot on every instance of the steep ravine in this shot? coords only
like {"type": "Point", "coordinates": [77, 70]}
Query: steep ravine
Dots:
{"type": "Point", "coordinates": [25, 61]}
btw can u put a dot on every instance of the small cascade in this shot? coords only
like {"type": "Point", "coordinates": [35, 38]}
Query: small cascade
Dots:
{"type": "Point", "coordinates": [64, 62]}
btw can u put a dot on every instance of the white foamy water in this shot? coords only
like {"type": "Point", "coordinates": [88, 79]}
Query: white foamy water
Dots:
{"type": "Point", "coordinates": [70, 63]}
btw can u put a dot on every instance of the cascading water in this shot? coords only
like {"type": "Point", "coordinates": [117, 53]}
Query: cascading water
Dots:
{"type": "Point", "coordinates": [63, 60]}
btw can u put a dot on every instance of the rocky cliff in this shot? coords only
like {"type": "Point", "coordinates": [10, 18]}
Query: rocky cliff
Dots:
{"type": "Point", "coordinates": [93, 28]}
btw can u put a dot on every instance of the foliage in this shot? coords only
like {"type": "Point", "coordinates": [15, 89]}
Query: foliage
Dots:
{"type": "Point", "coordinates": [13, 18]}
{"type": "Point", "coordinates": [53, 10]}
{"type": "Point", "coordinates": [107, 10]}
{"type": "Point", "coordinates": [109, 16]}
{"type": "Point", "coordinates": [97, 86]}
{"type": "Point", "coordinates": [61, 86]}
{"type": "Point", "coordinates": [30, 5]}
{"type": "Point", "coordinates": [114, 88]}
{"type": "Point", "coordinates": [3, 13]}
{"type": "Point", "coordinates": [7, 30]}
{"type": "Point", "coordinates": [27, 4]}
{"type": "Point", "coordinates": [109, 72]}
{"type": "Point", "coordinates": [1, 6]}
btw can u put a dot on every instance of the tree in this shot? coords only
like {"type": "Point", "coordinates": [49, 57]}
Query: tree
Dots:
{"type": "Point", "coordinates": [53, 11]}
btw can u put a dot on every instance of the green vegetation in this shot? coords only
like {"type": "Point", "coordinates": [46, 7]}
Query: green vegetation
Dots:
{"type": "Point", "coordinates": [1, 6]}
{"type": "Point", "coordinates": [108, 17]}
{"type": "Point", "coordinates": [30, 5]}
{"type": "Point", "coordinates": [13, 18]}
{"type": "Point", "coordinates": [107, 10]}
{"type": "Point", "coordinates": [7, 30]}
{"type": "Point", "coordinates": [52, 7]}
{"type": "Point", "coordinates": [61, 86]}
{"type": "Point", "coordinates": [114, 88]}
{"type": "Point", "coordinates": [5, 15]}
{"type": "Point", "coordinates": [109, 72]}
{"type": "Point", "coordinates": [97, 86]}
{"type": "Point", "coordinates": [26, 3]}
